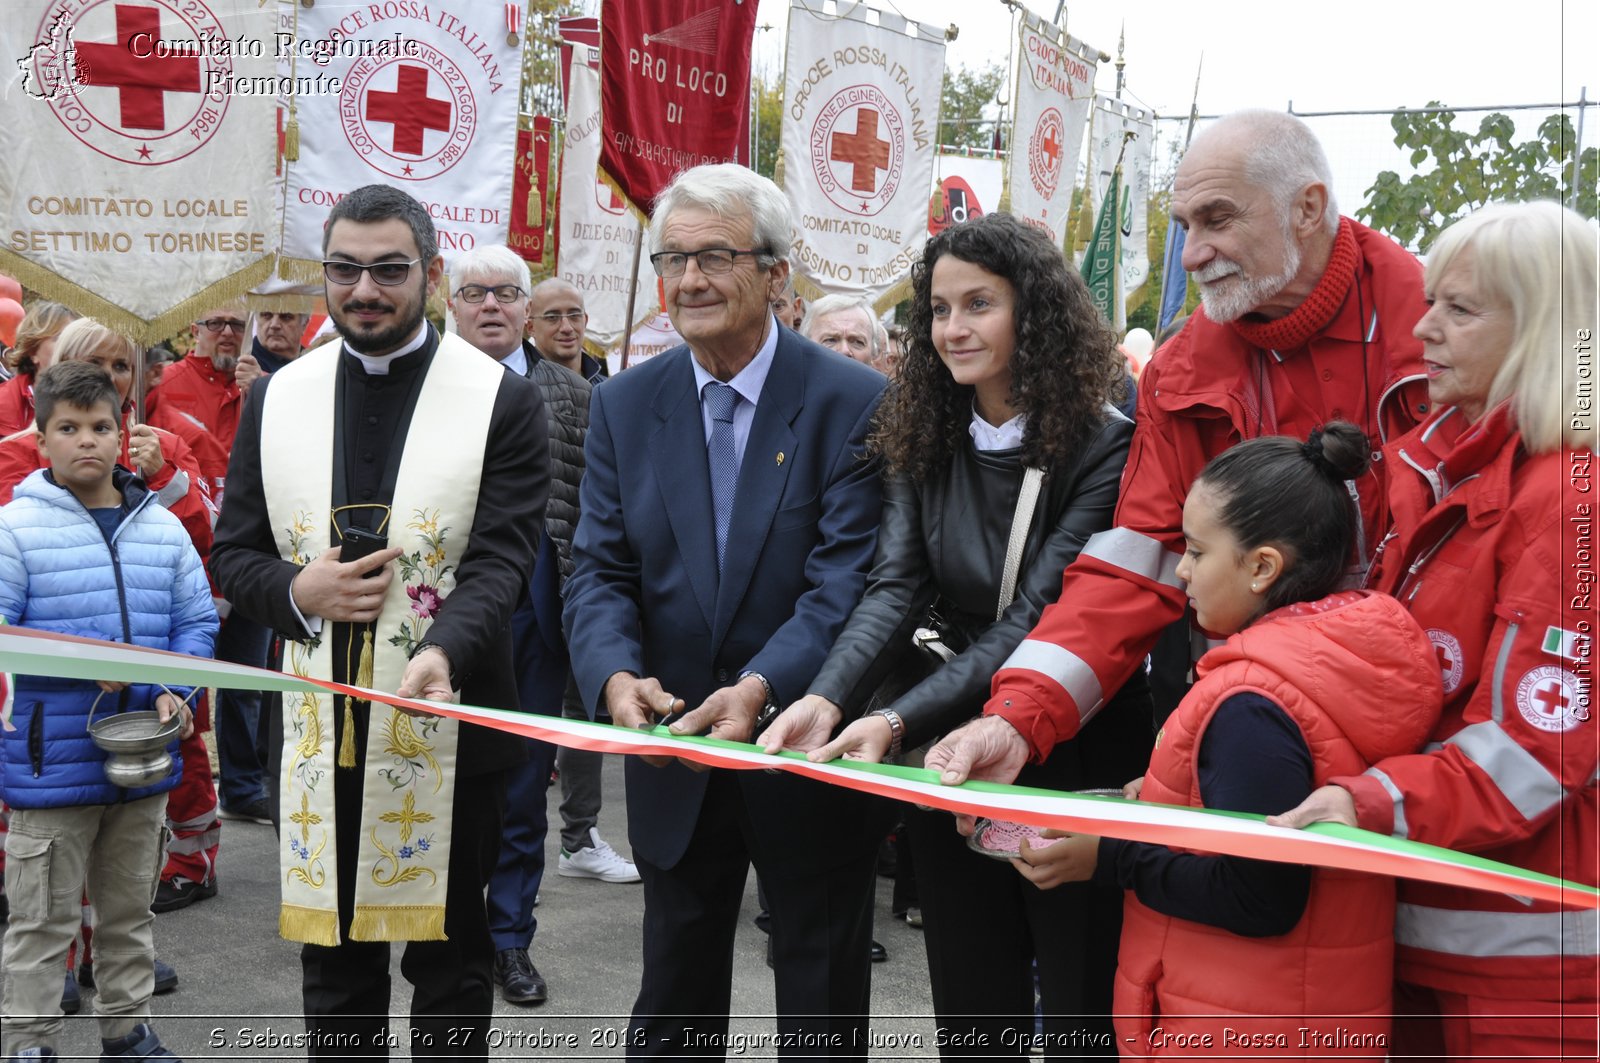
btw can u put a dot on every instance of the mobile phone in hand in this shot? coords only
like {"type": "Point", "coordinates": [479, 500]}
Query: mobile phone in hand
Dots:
{"type": "Point", "coordinates": [358, 543]}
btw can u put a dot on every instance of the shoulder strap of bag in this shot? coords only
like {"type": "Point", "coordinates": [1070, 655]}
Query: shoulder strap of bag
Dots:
{"type": "Point", "coordinates": [1027, 498]}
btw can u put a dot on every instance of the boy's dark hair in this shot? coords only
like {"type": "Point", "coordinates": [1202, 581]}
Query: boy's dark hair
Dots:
{"type": "Point", "coordinates": [83, 385]}
{"type": "Point", "coordinates": [1279, 491]}
{"type": "Point", "coordinates": [371, 203]}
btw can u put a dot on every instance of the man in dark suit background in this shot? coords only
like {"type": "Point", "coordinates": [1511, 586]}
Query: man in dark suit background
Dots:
{"type": "Point", "coordinates": [728, 522]}
{"type": "Point", "coordinates": [481, 456]}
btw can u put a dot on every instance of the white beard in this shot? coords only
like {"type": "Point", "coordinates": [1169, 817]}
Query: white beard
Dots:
{"type": "Point", "coordinates": [1246, 293]}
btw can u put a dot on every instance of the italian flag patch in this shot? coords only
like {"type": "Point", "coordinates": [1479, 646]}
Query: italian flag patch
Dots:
{"type": "Point", "coordinates": [1559, 642]}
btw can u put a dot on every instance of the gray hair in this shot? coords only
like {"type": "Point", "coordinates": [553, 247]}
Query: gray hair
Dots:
{"type": "Point", "coordinates": [730, 191]}
{"type": "Point", "coordinates": [493, 263]}
{"type": "Point", "coordinates": [1540, 259]}
{"type": "Point", "coordinates": [1284, 156]}
{"type": "Point", "coordinates": [834, 304]}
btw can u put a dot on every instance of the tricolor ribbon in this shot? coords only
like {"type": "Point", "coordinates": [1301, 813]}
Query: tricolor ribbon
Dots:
{"type": "Point", "coordinates": [1233, 833]}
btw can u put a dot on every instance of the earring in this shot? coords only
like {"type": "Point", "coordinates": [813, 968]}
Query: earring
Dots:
{"type": "Point", "coordinates": [1255, 588]}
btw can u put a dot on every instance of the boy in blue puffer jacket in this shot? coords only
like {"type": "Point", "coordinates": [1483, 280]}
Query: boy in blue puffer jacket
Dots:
{"type": "Point", "coordinates": [86, 550]}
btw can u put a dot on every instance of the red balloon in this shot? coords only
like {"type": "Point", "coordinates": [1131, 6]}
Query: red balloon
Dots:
{"type": "Point", "coordinates": [10, 289]}
{"type": "Point", "coordinates": [10, 318]}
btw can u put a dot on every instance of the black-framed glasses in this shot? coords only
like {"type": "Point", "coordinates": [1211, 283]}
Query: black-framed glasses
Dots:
{"type": "Point", "coordinates": [503, 293]}
{"type": "Point", "coordinates": [556, 317]}
{"type": "Point", "coordinates": [217, 324]}
{"type": "Point", "coordinates": [710, 260]}
{"type": "Point", "coordinates": [387, 274]}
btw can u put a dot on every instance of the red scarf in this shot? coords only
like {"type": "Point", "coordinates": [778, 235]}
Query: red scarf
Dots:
{"type": "Point", "coordinates": [1293, 331]}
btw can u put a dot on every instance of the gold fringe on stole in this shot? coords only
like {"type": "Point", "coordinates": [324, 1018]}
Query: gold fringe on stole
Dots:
{"type": "Point", "coordinates": [373, 922]}
{"type": "Point", "coordinates": [535, 207]}
{"type": "Point", "coordinates": [313, 926]}
{"type": "Point", "coordinates": [347, 744]}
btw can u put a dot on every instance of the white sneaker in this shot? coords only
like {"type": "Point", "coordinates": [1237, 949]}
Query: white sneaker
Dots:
{"type": "Point", "coordinates": [600, 861]}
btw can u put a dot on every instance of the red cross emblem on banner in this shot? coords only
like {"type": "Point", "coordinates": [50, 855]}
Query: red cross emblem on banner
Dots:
{"type": "Point", "coordinates": [1052, 146]}
{"type": "Point", "coordinates": [140, 77]}
{"type": "Point", "coordinates": [409, 109]}
{"type": "Point", "coordinates": [864, 151]}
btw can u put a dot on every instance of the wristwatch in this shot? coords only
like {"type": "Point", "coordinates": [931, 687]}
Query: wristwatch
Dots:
{"type": "Point", "coordinates": [897, 730]}
{"type": "Point", "coordinates": [769, 709]}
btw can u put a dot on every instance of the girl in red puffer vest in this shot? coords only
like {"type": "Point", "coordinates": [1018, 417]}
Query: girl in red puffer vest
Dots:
{"type": "Point", "coordinates": [1226, 956]}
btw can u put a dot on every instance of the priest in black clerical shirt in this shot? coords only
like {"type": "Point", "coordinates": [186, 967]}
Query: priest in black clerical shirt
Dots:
{"type": "Point", "coordinates": [417, 452]}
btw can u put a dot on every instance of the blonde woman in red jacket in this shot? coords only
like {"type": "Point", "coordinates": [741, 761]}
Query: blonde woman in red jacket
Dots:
{"type": "Point", "coordinates": [1225, 956]}
{"type": "Point", "coordinates": [1492, 549]}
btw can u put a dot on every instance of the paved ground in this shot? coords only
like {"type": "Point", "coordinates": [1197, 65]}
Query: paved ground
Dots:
{"type": "Point", "coordinates": [239, 983]}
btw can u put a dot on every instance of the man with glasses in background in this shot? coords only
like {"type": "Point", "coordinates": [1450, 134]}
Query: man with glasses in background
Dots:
{"type": "Point", "coordinates": [385, 501]}
{"type": "Point", "coordinates": [276, 344]}
{"type": "Point", "coordinates": [556, 321]}
{"type": "Point", "coordinates": [728, 521]}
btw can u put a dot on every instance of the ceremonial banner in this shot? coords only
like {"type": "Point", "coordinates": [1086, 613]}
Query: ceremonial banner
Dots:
{"type": "Point", "coordinates": [675, 89]}
{"type": "Point", "coordinates": [530, 191]}
{"type": "Point", "coordinates": [137, 178]}
{"type": "Point", "coordinates": [656, 336]}
{"type": "Point", "coordinates": [1231, 833]}
{"type": "Point", "coordinates": [1113, 120]}
{"type": "Point", "coordinates": [598, 232]}
{"type": "Point", "coordinates": [969, 187]}
{"type": "Point", "coordinates": [1055, 84]}
{"type": "Point", "coordinates": [422, 96]}
{"type": "Point", "coordinates": [1101, 262]}
{"type": "Point", "coordinates": [861, 113]}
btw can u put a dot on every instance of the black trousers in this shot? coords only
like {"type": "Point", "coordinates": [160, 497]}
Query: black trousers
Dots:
{"type": "Point", "coordinates": [819, 883]}
{"type": "Point", "coordinates": [346, 987]}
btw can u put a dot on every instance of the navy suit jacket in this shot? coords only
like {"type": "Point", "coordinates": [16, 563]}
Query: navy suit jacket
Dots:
{"type": "Point", "coordinates": [645, 595]}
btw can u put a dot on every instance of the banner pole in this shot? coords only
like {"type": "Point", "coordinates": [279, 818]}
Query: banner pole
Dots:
{"type": "Point", "coordinates": [633, 293]}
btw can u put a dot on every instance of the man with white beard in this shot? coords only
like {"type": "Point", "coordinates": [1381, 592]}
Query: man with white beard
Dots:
{"type": "Point", "coordinates": [1306, 318]}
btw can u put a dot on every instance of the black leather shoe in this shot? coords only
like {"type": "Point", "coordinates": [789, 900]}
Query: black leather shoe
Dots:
{"type": "Point", "coordinates": [879, 953]}
{"type": "Point", "coordinates": [178, 892]}
{"type": "Point", "coordinates": [518, 978]}
{"type": "Point", "coordinates": [71, 999]}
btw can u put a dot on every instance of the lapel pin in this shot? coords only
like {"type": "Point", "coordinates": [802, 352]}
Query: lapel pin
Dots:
{"type": "Point", "coordinates": [780, 457]}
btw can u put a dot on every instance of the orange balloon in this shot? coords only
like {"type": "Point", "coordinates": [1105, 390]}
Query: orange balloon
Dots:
{"type": "Point", "coordinates": [10, 318]}
{"type": "Point", "coordinates": [10, 289]}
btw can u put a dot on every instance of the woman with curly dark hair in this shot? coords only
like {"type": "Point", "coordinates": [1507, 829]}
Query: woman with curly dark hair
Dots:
{"type": "Point", "coordinates": [1009, 368]}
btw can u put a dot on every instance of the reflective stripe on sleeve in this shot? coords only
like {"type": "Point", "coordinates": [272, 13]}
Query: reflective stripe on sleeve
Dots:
{"type": "Point", "coordinates": [1063, 668]}
{"type": "Point", "coordinates": [175, 489]}
{"type": "Point", "coordinates": [1497, 704]}
{"type": "Point", "coordinates": [1465, 933]}
{"type": "Point", "coordinates": [1517, 773]}
{"type": "Point", "coordinates": [1135, 553]}
{"type": "Point", "coordinates": [1399, 799]}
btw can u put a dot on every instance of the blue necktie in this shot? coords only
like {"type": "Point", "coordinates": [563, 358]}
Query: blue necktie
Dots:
{"type": "Point", "coordinates": [720, 399]}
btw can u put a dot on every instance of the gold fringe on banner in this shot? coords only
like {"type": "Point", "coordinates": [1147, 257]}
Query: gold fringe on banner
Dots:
{"type": "Point", "coordinates": [807, 289]}
{"type": "Point", "coordinates": [300, 270]}
{"type": "Point", "coordinates": [936, 203]}
{"type": "Point", "coordinates": [143, 331]}
{"type": "Point", "coordinates": [291, 135]}
{"type": "Point", "coordinates": [897, 294]}
{"type": "Point", "coordinates": [778, 169]}
{"type": "Point", "coordinates": [312, 926]}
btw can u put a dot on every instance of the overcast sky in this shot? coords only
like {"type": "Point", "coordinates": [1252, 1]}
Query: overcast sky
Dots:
{"type": "Point", "coordinates": [1350, 55]}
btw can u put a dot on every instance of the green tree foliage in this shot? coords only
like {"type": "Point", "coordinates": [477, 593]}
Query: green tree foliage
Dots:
{"type": "Point", "coordinates": [966, 118]}
{"type": "Point", "coordinates": [541, 56]}
{"type": "Point", "coordinates": [1469, 170]}
{"type": "Point", "coordinates": [768, 119]}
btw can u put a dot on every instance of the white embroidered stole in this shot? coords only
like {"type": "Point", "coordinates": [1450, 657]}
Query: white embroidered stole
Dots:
{"type": "Point", "coordinates": [409, 784]}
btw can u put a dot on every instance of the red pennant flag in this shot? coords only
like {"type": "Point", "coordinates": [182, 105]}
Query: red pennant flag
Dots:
{"type": "Point", "coordinates": [530, 191]}
{"type": "Point", "coordinates": [675, 89]}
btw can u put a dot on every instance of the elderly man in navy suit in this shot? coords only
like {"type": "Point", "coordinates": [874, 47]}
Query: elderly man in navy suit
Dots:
{"type": "Point", "coordinates": [728, 522]}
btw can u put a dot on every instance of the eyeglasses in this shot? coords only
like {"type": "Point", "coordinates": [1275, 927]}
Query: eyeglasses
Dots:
{"type": "Point", "coordinates": [556, 317]}
{"type": "Point", "coordinates": [711, 260]}
{"type": "Point", "coordinates": [388, 274]}
{"type": "Point", "coordinates": [503, 293]}
{"type": "Point", "coordinates": [217, 324]}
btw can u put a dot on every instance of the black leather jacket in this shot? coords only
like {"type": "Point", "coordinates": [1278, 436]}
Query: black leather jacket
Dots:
{"type": "Point", "coordinates": [945, 542]}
